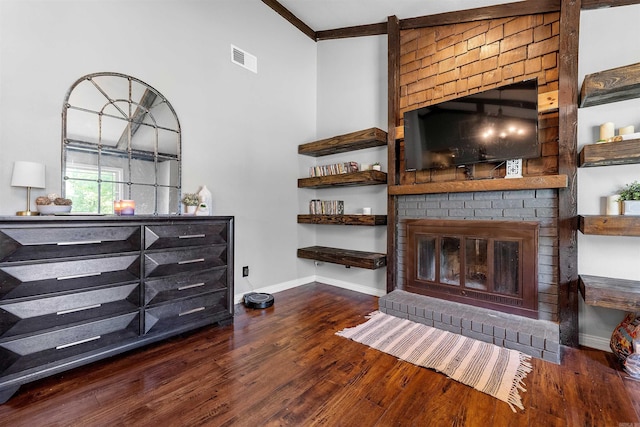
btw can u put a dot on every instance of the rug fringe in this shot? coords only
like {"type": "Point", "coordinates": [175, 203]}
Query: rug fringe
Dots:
{"type": "Point", "coordinates": [518, 382]}
{"type": "Point", "coordinates": [345, 331]}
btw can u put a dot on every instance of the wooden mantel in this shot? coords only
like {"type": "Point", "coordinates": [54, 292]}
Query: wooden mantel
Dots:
{"type": "Point", "coordinates": [498, 184]}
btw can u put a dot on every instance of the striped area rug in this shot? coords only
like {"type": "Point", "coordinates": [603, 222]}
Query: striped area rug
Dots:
{"type": "Point", "coordinates": [496, 371]}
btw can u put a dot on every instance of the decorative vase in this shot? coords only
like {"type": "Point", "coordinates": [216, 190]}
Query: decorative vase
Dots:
{"type": "Point", "coordinates": [205, 198]}
{"type": "Point", "coordinates": [191, 209]}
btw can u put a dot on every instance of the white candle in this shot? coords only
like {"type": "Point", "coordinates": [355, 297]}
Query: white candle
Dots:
{"type": "Point", "coordinates": [613, 205]}
{"type": "Point", "coordinates": [607, 130]}
{"type": "Point", "coordinates": [626, 130]}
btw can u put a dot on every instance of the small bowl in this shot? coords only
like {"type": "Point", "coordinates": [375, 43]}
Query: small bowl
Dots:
{"type": "Point", "coordinates": [53, 209]}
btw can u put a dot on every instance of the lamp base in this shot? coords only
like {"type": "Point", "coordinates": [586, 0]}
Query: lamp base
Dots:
{"type": "Point", "coordinates": [27, 213]}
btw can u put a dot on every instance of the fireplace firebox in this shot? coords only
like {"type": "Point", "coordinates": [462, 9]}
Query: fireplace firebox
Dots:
{"type": "Point", "coordinates": [491, 264]}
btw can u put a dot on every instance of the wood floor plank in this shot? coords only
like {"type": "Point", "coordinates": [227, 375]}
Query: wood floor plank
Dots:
{"type": "Point", "coordinates": [589, 379]}
{"type": "Point", "coordinates": [284, 366]}
{"type": "Point", "coordinates": [545, 389]}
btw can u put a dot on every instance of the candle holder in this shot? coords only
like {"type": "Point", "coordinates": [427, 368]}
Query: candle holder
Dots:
{"type": "Point", "coordinates": [128, 207]}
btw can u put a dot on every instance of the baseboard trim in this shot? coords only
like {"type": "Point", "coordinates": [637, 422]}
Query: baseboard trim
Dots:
{"type": "Point", "coordinates": [309, 279]}
{"type": "Point", "coordinates": [593, 341]}
{"type": "Point", "coordinates": [351, 286]}
{"type": "Point", "coordinates": [277, 287]}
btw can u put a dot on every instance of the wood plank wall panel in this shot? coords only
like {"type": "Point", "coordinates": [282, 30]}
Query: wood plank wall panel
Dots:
{"type": "Point", "coordinates": [448, 61]}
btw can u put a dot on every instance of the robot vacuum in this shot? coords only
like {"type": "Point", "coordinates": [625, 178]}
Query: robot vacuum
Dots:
{"type": "Point", "coordinates": [258, 300]}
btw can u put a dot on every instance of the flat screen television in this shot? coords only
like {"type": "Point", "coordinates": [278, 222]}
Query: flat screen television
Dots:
{"type": "Point", "coordinates": [490, 126]}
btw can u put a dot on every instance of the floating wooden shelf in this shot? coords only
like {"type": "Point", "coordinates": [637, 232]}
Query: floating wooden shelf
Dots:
{"type": "Point", "coordinates": [617, 84]}
{"type": "Point", "coordinates": [498, 184]}
{"type": "Point", "coordinates": [610, 225]}
{"type": "Point", "coordinates": [619, 294]}
{"type": "Point", "coordinates": [610, 153]}
{"type": "Point", "coordinates": [369, 177]}
{"type": "Point", "coordinates": [359, 140]}
{"type": "Point", "coordinates": [343, 219]}
{"type": "Point", "coordinates": [349, 258]}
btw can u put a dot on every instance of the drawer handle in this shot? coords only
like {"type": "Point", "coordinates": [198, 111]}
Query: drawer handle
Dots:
{"type": "Point", "coordinates": [76, 276]}
{"type": "Point", "coordinates": [191, 261]}
{"type": "Point", "coordinates": [71, 344]}
{"type": "Point", "coordinates": [195, 310]}
{"type": "Point", "coordinates": [84, 242]}
{"type": "Point", "coordinates": [195, 285]}
{"type": "Point", "coordinates": [192, 236]}
{"type": "Point", "coordinates": [73, 310]}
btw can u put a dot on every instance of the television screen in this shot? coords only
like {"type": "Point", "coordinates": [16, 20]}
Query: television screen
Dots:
{"type": "Point", "coordinates": [490, 126]}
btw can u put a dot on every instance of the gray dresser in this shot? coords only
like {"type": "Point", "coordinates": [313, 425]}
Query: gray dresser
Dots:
{"type": "Point", "coordinates": [74, 289]}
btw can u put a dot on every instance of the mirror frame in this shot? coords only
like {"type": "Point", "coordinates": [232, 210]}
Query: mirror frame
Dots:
{"type": "Point", "coordinates": [133, 119]}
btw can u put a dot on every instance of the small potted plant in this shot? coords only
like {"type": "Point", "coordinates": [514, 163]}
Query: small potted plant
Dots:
{"type": "Point", "coordinates": [630, 198]}
{"type": "Point", "coordinates": [191, 202]}
{"type": "Point", "coordinates": [376, 166]}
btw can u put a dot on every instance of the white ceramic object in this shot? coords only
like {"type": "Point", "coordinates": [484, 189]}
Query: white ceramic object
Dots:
{"type": "Point", "coordinates": [53, 209]}
{"type": "Point", "coordinates": [205, 197]}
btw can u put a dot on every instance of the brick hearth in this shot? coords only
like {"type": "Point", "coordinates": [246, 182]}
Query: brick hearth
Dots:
{"type": "Point", "coordinates": [537, 338]}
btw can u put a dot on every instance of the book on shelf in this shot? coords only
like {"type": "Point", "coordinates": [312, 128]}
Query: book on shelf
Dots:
{"type": "Point", "coordinates": [333, 169]}
{"type": "Point", "coordinates": [326, 207]}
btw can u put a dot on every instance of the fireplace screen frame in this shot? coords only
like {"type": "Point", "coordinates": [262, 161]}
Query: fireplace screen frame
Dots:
{"type": "Point", "coordinates": [523, 300]}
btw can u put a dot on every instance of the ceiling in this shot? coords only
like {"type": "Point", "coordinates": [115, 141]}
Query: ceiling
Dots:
{"type": "Point", "coordinates": [332, 14]}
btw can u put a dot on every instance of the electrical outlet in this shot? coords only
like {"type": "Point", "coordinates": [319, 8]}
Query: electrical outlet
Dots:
{"type": "Point", "coordinates": [245, 271]}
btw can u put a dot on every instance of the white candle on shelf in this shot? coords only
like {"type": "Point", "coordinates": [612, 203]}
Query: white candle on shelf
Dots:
{"type": "Point", "coordinates": [607, 130]}
{"type": "Point", "coordinates": [613, 205]}
{"type": "Point", "coordinates": [626, 130]}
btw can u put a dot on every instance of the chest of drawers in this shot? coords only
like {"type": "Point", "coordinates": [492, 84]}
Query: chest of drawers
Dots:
{"type": "Point", "coordinates": [74, 290]}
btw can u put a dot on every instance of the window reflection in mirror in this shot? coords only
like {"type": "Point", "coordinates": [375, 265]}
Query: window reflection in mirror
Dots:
{"type": "Point", "coordinates": [121, 140]}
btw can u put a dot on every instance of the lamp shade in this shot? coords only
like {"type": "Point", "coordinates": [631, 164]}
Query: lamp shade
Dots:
{"type": "Point", "coordinates": [28, 174]}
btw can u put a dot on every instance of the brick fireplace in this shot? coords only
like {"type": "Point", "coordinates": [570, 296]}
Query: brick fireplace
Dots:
{"type": "Point", "coordinates": [538, 336]}
{"type": "Point", "coordinates": [538, 206]}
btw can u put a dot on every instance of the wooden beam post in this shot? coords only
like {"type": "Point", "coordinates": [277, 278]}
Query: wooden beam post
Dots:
{"type": "Point", "coordinates": [567, 165]}
{"type": "Point", "coordinates": [393, 105]}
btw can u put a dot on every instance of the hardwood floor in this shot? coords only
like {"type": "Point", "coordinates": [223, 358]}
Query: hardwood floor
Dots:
{"type": "Point", "coordinates": [285, 366]}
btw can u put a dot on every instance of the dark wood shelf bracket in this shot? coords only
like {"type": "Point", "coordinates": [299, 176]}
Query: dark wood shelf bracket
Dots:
{"type": "Point", "coordinates": [359, 140]}
{"type": "Point", "coordinates": [616, 84]}
{"type": "Point", "coordinates": [346, 257]}
{"type": "Point", "coordinates": [368, 220]}
{"type": "Point", "coordinates": [619, 294]}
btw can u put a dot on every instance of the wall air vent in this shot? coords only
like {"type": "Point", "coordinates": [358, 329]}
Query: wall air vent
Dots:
{"type": "Point", "coordinates": [244, 59]}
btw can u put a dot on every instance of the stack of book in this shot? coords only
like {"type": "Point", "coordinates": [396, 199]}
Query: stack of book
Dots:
{"type": "Point", "coordinates": [334, 169]}
{"type": "Point", "coordinates": [326, 207]}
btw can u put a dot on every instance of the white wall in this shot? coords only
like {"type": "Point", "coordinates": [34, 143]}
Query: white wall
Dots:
{"type": "Point", "coordinates": [240, 129]}
{"type": "Point", "coordinates": [352, 96]}
{"type": "Point", "coordinates": [608, 39]}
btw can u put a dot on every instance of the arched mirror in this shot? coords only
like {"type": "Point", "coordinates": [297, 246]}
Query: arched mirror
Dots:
{"type": "Point", "coordinates": [120, 140]}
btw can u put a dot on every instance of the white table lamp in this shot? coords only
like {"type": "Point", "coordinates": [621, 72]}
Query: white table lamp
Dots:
{"type": "Point", "coordinates": [28, 174]}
